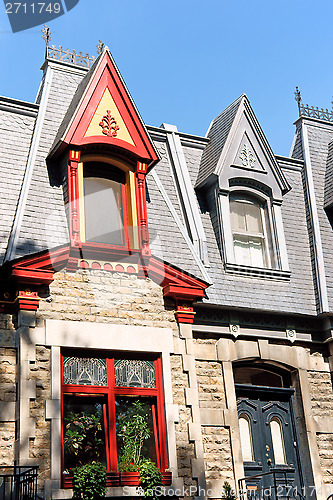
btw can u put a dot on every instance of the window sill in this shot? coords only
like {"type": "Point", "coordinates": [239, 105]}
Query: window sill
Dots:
{"type": "Point", "coordinates": [114, 479]}
{"type": "Point", "coordinates": [257, 272]}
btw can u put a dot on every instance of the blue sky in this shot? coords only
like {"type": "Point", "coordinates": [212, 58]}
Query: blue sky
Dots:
{"type": "Point", "coordinates": [185, 61]}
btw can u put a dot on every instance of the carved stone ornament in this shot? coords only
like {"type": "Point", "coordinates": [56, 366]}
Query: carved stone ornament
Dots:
{"type": "Point", "coordinates": [234, 329]}
{"type": "Point", "coordinates": [247, 157]}
{"type": "Point", "coordinates": [291, 334]}
{"type": "Point", "coordinates": [109, 125]}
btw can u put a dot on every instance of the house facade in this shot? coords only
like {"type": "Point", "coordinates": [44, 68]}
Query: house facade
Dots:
{"type": "Point", "coordinates": [191, 275]}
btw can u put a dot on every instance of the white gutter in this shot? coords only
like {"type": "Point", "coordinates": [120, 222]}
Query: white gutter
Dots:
{"type": "Point", "coordinates": [16, 227]}
{"type": "Point", "coordinates": [180, 225]}
{"type": "Point", "coordinates": [190, 212]}
{"type": "Point", "coordinates": [317, 244]}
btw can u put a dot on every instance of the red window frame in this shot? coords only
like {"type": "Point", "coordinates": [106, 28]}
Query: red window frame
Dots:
{"type": "Point", "coordinates": [111, 391]}
{"type": "Point", "coordinates": [124, 207]}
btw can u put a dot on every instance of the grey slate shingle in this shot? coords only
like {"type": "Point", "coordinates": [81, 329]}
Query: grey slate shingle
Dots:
{"type": "Point", "coordinates": [16, 132]}
{"type": "Point", "coordinates": [217, 134]}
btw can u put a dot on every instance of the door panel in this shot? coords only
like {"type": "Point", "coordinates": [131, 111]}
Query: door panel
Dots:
{"type": "Point", "coordinates": [273, 436]}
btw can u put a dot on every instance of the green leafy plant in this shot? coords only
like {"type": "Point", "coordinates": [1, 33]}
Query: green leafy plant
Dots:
{"type": "Point", "coordinates": [82, 438]}
{"type": "Point", "coordinates": [133, 430]}
{"type": "Point", "coordinates": [89, 481]}
{"type": "Point", "coordinates": [150, 477]}
{"type": "Point", "coordinates": [228, 493]}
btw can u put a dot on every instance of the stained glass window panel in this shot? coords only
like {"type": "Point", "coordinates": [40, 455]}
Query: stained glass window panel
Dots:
{"type": "Point", "coordinates": [134, 373]}
{"type": "Point", "coordinates": [85, 371]}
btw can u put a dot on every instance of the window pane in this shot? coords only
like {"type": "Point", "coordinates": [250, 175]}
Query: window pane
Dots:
{"type": "Point", "coordinates": [103, 211]}
{"type": "Point", "coordinates": [134, 373]}
{"type": "Point", "coordinates": [242, 252]}
{"type": "Point", "coordinates": [246, 441]}
{"type": "Point", "coordinates": [249, 251]}
{"type": "Point", "coordinates": [238, 222]}
{"type": "Point", "coordinates": [277, 439]}
{"type": "Point", "coordinates": [253, 218]}
{"type": "Point", "coordinates": [84, 431]}
{"type": "Point", "coordinates": [257, 253]}
{"type": "Point", "coordinates": [85, 371]}
{"type": "Point", "coordinates": [135, 431]}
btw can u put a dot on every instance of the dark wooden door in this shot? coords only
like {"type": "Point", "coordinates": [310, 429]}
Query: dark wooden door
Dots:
{"type": "Point", "coordinates": [269, 440]}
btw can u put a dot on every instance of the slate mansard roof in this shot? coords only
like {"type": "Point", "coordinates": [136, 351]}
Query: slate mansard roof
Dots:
{"type": "Point", "coordinates": [184, 222]}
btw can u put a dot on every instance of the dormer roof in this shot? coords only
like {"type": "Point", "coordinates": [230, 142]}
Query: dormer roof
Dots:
{"type": "Point", "coordinates": [103, 113]}
{"type": "Point", "coordinates": [237, 140]}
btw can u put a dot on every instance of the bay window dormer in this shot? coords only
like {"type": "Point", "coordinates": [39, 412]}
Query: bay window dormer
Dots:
{"type": "Point", "coordinates": [104, 152]}
{"type": "Point", "coordinates": [240, 172]}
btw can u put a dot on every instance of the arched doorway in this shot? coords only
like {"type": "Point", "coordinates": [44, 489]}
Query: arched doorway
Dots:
{"type": "Point", "coordinates": [267, 425]}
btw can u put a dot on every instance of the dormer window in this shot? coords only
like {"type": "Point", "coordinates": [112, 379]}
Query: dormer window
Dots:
{"type": "Point", "coordinates": [104, 191]}
{"type": "Point", "coordinates": [250, 231]}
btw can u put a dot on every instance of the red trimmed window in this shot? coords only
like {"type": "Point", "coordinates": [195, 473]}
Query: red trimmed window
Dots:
{"type": "Point", "coordinates": [108, 213]}
{"type": "Point", "coordinates": [104, 194]}
{"type": "Point", "coordinates": [99, 392]}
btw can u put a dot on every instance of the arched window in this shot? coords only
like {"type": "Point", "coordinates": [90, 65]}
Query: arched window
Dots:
{"type": "Point", "coordinates": [251, 238]}
{"type": "Point", "coordinates": [104, 204]}
{"type": "Point", "coordinates": [246, 438]}
{"type": "Point", "coordinates": [278, 441]}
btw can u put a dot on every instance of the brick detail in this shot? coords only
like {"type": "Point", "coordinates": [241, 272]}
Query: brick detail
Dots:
{"type": "Point", "coordinates": [321, 393]}
{"type": "Point", "coordinates": [210, 385]}
{"type": "Point", "coordinates": [99, 296]}
{"type": "Point", "coordinates": [325, 446]}
{"type": "Point", "coordinates": [217, 453]}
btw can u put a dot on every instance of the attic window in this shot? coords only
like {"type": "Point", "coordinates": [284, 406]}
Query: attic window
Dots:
{"type": "Point", "coordinates": [104, 195]}
{"type": "Point", "coordinates": [249, 230]}
{"type": "Point", "coordinates": [252, 230]}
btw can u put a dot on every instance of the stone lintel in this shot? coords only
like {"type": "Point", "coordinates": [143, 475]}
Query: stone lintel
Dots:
{"type": "Point", "coordinates": [323, 425]}
{"type": "Point", "coordinates": [212, 417]}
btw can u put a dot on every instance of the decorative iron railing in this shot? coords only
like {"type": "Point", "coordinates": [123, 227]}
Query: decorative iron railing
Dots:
{"type": "Point", "coordinates": [311, 111]}
{"type": "Point", "coordinates": [319, 113]}
{"type": "Point", "coordinates": [77, 58]}
{"type": "Point", "coordinates": [275, 485]}
{"type": "Point", "coordinates": [18, 482]}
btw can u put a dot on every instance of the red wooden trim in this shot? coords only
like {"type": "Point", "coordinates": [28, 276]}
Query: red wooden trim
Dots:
{"type": "Point", "coordinates": [25, 275]}
{"type": "Point", "coordinates": [166, 274]}
{"type": "Point", "coordinates": [73, 198]}
{"type": "Point", "coordinates": [112, 416]}
{"type": "Point", "coordinates": [142, 211]}
{"type": "Point", "coordinates": [106, 76]}
{"type": "Point", "coordinates": [161, 415]}
{"type": "Point", "coordinates": [135, 391]}
{"type": "Point", "coordinates": [124, 195]}
{"type": "Point", "coordinates": [157, 451]}
{"type": "Point", "coordinates": [109, 410]}
{"type": "Point", "coordinates": [106, 431]}
{"type": "Point", "coordinates": [62, 414]}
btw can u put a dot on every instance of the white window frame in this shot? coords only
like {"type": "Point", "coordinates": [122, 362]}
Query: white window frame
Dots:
{"type": "Point", "coordinates": [278, 263]}
{"type": "Point", "coordinates": [263, 237]}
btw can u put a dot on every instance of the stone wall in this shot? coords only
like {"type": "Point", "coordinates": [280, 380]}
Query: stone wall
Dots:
{"type": "Point", "coordinates": [217, 453]}
{"type": "Point", "coordinates": [321, 392]}
{"type": "Point", "coordinates": [7, 395]}
{"type": "Point", "coordinates": [210, 384]}
{"type": "Point", "coordinates": [102, 296]}
{"type": "Point", "coordinates": [185, 449]}
{"type": "Point", "coordinates": [7, 331]}
{"type": "Point", "coordinates": [39, 446]}
{"type": "Point", "coordinates": [325, 445]}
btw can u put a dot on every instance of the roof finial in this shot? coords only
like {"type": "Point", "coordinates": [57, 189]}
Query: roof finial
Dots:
{"type": "Point", "coordinates": [46, 34]}
{"type": "Point", "coordinates": [298, 99]}
{"type": "Point", "coordinates": [100, 46]}
{"type": "Point", "coordinates": [47, 37]}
